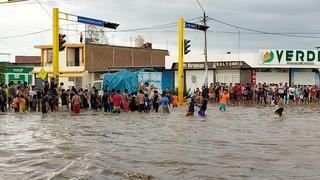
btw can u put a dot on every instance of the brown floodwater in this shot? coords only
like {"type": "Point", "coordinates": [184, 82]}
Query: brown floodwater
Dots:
{"type": "Point", "coordinates": [241, 143]}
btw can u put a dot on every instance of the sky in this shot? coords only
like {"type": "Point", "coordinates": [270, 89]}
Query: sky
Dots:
{"type": "Point", "coordinates": [289, 17]}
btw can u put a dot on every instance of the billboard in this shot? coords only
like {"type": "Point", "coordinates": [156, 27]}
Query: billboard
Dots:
{"type": "Point", "coordinates": [286, 57]}
{"type": "Point", "coordinates": [95, 34]}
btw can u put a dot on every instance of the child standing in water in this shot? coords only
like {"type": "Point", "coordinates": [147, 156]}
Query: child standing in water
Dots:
{"type": "Point", "coordinates": [190, 111]}
{"type": "Point", "coordinates": [174, 100]}
{"type": "Point", "coordinates": [224, 97]}
{"type": "Point", "coordinates": [280, 106]}
{"type": "Point", "coordinates": [116, 102]}
{"type": "Point", "coordinates": [165, 104]}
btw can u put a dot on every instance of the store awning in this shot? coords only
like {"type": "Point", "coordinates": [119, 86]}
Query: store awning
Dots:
{"type": "Point", "coordinates": [213, 65]}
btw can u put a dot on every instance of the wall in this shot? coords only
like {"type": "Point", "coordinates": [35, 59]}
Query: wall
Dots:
{"type": "Point", "coordinates": [245, 76]}
{"type": "Point", "coordinates": [167, 79]}
{"type": "Point", "coordinates": [199, 80]}
{"type": "Point", "coordinates": [273, 77]}
{"type": "Point", "coordinates": [104, 57]}
{"type": "Point", "coordinates": [27, 59]}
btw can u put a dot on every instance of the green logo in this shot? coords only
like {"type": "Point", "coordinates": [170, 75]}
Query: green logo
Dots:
{"type": "Point", "coordinates": [267, 57]}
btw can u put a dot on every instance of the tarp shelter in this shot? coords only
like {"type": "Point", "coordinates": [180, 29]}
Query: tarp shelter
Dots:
{"type": "Point", "coordinates": [120, 80]}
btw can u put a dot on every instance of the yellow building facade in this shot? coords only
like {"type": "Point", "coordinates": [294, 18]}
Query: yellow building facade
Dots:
{"type": "Point", "coordinates": [71, 65]}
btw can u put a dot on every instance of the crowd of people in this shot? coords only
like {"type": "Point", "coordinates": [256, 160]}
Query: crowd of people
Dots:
{"type": "Point", "coordinates": [55, 97]}
{"type": "Point", "coordinates": [264, 94]}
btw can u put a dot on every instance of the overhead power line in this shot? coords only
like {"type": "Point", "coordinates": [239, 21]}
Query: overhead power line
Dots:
{"type": "Point", "coordinates": [162, 26]}
{"type": "Point", "coordinates": [263, 32]}
{"type": "Point", "coordinates": [155, 27]}
{"type": "Point", "coordinates": [45, 10]}
{"type": "Point", "coordinates": [26, 34]}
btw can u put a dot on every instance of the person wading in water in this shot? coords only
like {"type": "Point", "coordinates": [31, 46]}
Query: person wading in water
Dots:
{"type": "Point", "coordinates": [76, 103]}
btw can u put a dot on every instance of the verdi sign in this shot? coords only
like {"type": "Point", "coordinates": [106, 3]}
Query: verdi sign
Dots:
{"type": "Point", "coordinates": [283, 57]}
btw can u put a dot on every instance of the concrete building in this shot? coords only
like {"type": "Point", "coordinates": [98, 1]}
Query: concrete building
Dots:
{"type": "Point", "coordinates": [31, 61]}
{"type": "Point", "coordinates": [266, 66]}
{"type": "Point", "coordinates": [81, 64]}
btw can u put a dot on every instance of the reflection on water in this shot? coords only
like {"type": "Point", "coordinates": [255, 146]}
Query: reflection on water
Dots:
{"type": "Point", "coordinates": [241, 143]}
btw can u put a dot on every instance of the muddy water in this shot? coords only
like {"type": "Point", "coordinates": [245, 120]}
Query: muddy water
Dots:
{"type": "Point", "coordinates": [241, 143]}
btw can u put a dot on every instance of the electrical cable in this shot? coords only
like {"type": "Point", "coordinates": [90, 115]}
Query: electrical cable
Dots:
{"type": "Point", "coordinates": [263, 32]}
{"type": "Point", "coordinates": [26, 34]}
{"type": "Point", "coordinates": [44, 9]}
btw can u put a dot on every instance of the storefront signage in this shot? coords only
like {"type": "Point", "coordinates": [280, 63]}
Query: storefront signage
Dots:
{"type": "Point", "coordinates": [284, 57]}
{"type": "Point", "coordinates": [213, 65]}
{"type": "Point", "coordinates": [18, 69]}
{"type": "Point", "coordinates": [232, 64]}
{"type": "Point", "coordinates": [253, 76]}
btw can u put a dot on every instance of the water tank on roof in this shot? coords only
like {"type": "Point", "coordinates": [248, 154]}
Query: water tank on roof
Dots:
{"type": "Point", "coordinates": [138, 41]}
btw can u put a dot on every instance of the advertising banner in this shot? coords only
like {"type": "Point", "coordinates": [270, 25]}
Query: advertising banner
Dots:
{"type": "Point", "coordinates": [154, 79]}
{"type": "Point", "coordinates": [287, 57]}
{"type": "Point", "coordinates": [95, 34]}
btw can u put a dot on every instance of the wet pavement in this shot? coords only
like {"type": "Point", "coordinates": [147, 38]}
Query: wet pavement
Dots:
{"type": "Point", "coordinates": [241, 143]}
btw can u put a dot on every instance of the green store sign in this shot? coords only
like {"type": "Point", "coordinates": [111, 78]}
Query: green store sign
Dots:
{"type": "Point", "coordinates": [18, 69]}
{"type": "Point", "coordinates": [274, 57]}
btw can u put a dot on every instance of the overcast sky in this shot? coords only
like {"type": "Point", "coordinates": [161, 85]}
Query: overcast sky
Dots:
{"type": "Point", "coordinates": [280, 16]}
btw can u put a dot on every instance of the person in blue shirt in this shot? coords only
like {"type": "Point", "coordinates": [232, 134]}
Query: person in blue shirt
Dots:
{"type": "Point", "coordinates": [165, 104]}
{"type": "Point", "coordinates": [190, 111]}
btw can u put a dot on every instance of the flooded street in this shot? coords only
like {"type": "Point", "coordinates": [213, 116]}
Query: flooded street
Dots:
{"type": "Point", "coordinates": [241, 143]}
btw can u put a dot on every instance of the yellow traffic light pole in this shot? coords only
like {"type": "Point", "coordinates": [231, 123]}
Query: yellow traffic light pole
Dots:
{"type": "Point", "coordinates": [11, 1]}
{"type": "Point", "coordinates": [55, 45]}
{"type": "Point", "coordinates": [180, 61]}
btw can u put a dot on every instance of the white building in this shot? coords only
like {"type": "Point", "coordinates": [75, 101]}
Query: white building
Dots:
{"type": "Point", "coordinates": [266, 66]}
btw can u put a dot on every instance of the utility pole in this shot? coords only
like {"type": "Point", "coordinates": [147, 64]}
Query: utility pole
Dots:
{"type": "Point", "coordinates": [10, 1]}
{"type": "Point", "coordinates": [205, 50]}
{"type": "Point", "coordinates": [205, 45]}
{"type": "Point", "coordinates": [55, 43]}
{"type": "Point", "coordinates": [180, 61]}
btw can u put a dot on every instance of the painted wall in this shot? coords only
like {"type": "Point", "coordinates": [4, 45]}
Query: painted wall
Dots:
{"type": "Point", "coordinates": [272, 77]}
{"type": "Point", "coordinates": [194, 78]}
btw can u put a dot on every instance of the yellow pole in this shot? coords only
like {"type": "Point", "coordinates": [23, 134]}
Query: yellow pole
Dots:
{"type": "Point", "coordinates": [55, 45]}
{"type": "Point", "coordinates": [180, 61]}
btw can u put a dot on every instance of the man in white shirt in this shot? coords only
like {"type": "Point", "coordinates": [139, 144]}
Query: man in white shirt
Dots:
{"type": "Point", "coordinates": [291, 93]}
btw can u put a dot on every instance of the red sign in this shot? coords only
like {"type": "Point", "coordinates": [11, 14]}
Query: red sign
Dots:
{"type": "Point", "coordinates": [253, 76]}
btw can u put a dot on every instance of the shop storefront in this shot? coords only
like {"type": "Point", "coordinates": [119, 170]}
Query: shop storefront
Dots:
{"type": "Point", "coordinates": [272, 75]}
{"type": "Point", "coordinates": [18, 73]}
{"type": "Point", "coordinates": [296, 67]}
{"type": "Point", "coordinates": [224, 72]}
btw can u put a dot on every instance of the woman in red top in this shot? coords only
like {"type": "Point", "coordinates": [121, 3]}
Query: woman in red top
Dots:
{"type": "Point", "coordinates": [314, 92]}
{"type": "Point", "coordinates": [76, 103]}
{"type": "Point", "coordinates": [125, 99]}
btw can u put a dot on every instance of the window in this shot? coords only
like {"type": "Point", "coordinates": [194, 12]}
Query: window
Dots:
{"type": "Point", "coordinates": [73, 57]}
{"type": "Point", "coordinates": [76, 82]}
{"type": "Point", "coordinates": [49, 55]}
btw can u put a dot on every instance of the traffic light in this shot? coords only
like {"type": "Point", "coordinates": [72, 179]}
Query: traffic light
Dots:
{"type": "Point", "coordinates": [62, 41]}
{"type": "Point", "coordinates": [110, 25]}
{"type": "Point", "coordinates": [186, 46]}
{"type": "Point", "coordinates": [202, 27]}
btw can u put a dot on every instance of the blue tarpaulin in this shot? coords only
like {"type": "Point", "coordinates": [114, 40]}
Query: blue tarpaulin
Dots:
{"type": "Point", "coordinates": [120, 80]}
